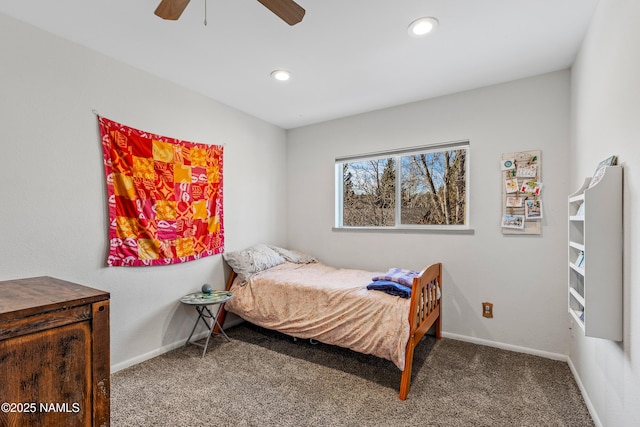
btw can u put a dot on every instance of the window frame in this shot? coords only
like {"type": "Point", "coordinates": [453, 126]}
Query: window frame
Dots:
{"type": "Point", "coordinates": [397, 156]}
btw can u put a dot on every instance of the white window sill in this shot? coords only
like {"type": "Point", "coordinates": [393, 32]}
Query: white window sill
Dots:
{"type": "Point", "coordinates": [407, 229]}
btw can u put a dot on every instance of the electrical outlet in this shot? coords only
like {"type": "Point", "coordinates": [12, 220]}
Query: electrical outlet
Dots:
{"type": "Point", "coordinates": [487, 309]}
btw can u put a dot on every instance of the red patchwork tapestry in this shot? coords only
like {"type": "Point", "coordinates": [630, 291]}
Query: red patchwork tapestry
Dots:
{"type": "Point", "coordinates": [164, 196]}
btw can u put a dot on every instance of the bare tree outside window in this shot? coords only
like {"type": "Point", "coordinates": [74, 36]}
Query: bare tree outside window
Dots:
{"type": "Point", "coordinates": [432, 189]}
{"type": "Point", "coordinates": [369, 193]}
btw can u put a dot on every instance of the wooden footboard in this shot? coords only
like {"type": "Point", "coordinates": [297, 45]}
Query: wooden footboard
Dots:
{"type": "Point", "coordinates": [424, 312]}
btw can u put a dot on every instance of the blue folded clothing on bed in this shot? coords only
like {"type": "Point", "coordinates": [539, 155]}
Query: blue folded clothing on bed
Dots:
{"type": "Point", "coordinates": [398, 275]}
{"type": "Point", "coordinates": [391, 288]}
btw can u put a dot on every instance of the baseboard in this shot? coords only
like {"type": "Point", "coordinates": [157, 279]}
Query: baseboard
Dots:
{"type": "Point", "coordinates": [154, 353]}
{"type": "Point", "coordinates": [165, 349]}
{"type": "Point", "coordinates": [510, 347]}
{"type": "Point", "coordinates": [585, 396]}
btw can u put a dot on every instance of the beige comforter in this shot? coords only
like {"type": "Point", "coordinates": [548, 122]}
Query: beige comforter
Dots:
{"type": "Point", "coordinates": [330, 305]}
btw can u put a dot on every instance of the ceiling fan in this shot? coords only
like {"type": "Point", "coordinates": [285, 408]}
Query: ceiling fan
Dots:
{"type": "Point", "coordinates": [288, 10]}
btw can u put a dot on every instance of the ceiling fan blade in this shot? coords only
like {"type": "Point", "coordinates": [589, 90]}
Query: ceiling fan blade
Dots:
{"type": "Point", "coordinates": [288, 10]}
{"type": "Point", "coordinates": [171, 9]}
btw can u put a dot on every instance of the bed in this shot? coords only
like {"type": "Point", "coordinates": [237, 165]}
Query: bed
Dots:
{"type": "Point", "coordinates": [295, 294]}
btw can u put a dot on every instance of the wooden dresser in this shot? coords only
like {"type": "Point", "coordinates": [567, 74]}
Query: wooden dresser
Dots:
{"type": "Point", "coordinates": [54, 354]}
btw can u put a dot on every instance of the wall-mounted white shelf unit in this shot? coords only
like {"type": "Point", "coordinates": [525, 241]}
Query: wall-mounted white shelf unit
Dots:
{"type": "Point", "coordinates": [595, 256]}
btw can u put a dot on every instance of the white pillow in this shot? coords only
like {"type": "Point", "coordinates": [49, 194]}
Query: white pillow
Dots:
{"type": "Point", "coordinates": [252, 260]}
{"type": "Point", "coordinates": [294, 256]}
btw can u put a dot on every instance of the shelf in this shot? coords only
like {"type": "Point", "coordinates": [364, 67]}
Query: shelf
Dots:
{"type": "Point", "coordinates": [576, 245]}
{"type": "Point", "coordinates": [577, 296]}
{"type": "Point", "coordinates": [577, 198]}
{"type": "Point", "coordinates": [579, 270]}
{"type": "Point", "coordinates": [595, 294]}
{"type": "Point", "coordinates": [576, 316]}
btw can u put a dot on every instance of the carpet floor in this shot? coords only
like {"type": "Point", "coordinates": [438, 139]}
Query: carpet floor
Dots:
{"type": "Point", "coordinates": [263, 378]}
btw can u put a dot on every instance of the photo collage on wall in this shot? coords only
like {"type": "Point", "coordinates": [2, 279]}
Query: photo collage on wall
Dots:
{"type": "Point", "coordinates": [522, 207]}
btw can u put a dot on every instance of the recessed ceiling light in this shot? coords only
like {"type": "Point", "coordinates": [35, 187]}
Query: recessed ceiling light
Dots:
{"type": "Point", "coordinates": [281, 75]}
{"type": "Point", "coordinates": [423, 26]}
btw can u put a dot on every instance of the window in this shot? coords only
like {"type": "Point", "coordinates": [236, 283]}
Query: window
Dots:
{"type": "Point", "coordinates": [421, 187]}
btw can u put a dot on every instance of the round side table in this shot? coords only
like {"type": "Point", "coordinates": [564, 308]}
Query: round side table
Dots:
{"type": "Point", "coordinates": [202, 302]}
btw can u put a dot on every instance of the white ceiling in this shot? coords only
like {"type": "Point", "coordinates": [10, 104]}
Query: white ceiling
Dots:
{"type": "Point", "coordinates": [346, 56]}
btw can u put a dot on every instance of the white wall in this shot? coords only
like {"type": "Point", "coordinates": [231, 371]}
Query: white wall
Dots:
{"type": "Point", "coordinates": [53, 214]}
{"type": "Point", "coordinates": [606, 121]}
{"type": "Point", "coordinates": [524, 276]}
